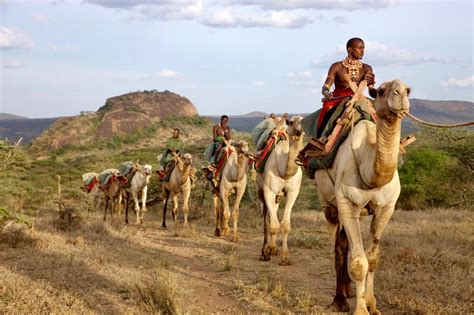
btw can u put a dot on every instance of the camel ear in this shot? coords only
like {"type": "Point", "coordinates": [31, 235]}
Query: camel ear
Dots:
{"type": "Point", "coordinates": [381, 90]}
{"type": "Point", "coordinates": [408, 91]}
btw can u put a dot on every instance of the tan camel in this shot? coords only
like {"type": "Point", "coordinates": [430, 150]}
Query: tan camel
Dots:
{"type": "Point", "coordinates": [179, 183]}
{"type": "Point", "coordinates": [234, 179]}
{"type": "Point", "coordinates": [364, 176]}
{"type": "Point", "coordinates": [281, 176]}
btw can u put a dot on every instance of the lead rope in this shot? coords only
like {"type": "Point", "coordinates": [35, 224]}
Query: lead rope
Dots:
{"type": "Point", "coordinates": [469, 123]}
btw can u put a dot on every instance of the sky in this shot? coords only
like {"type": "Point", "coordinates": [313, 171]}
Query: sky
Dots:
{"type": "Point", "coordinates": [58, 58]}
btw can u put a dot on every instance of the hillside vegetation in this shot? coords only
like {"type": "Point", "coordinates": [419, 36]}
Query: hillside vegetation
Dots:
{"type": "Point", "coordinates": [137, 113]}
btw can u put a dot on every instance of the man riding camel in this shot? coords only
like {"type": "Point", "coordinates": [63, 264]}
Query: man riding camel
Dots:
{"type": "Point", "coordinates": [174, 144]}
{"type": "Point", "coordinates": [220, 133]}
{"type": "Point", "coordinates": [346, 76]}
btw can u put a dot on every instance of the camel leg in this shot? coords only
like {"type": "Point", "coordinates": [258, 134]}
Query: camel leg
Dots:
{"type": "Point", "coordinates": [270, 248]}
{"type": "Point", "coordinates": [226, 212]}
{"type": "Point", "coordinates": [285, 226]}
{"type": "Point", "coordinates": [341, 247]}
{"type": "Point", "coordinates": [136, 205]}
{"type": "Point", "coordinates": [144, 197]}
{"type": "Point", "coordinates": [166, 196]}
{"type": "Point", "coordinates": [175, 209]}
{"type": "Point", "coordinates": [349, 215]}
{"type": "Point", "coordinates": [266, 225]}
{"type": "Point", "coordinates": [186, 195]}
{"type": "Point", "coordinates": [215, 199]}
{"type": "Point", "coordinates": [119, 205]}
{"type": "Point", "coordinates": [127, 199]}
{"type": "Point", "coordinates": [106, 206]}
{"type": "Point", "coordinates": [235, 212]}
{"type": "Point", "coordinates": [379, 222]}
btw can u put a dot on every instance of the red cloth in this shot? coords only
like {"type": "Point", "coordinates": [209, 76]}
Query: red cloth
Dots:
{"type": "Point", "coordinates": [340, 95]}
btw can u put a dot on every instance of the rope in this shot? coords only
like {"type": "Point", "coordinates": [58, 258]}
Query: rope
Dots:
{"type": "Point", "coordinates": [469, 123]}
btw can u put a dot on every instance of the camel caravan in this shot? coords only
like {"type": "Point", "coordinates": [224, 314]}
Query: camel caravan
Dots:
{"type": "Point", "coordinates": [352, 151]}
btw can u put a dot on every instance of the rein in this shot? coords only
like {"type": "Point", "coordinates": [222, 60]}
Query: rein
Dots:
{"type": "Point", "coordinates": [426, 123]}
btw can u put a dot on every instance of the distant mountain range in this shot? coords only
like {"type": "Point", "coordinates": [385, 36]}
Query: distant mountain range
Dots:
{"type": "Point", "coordinates": [13, 126]}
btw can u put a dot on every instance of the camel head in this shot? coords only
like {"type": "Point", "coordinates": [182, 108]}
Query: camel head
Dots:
{"type": "Point", "coordinates": [146, 170]}
{"type": "Point", "coordinates": [391, 100]}
{"type": "Point", "coordinates": [242, 147]}
{"type": "Point", "coordinates": [295, 129]}
{"type": "Point", "coordinates": [188, 159]}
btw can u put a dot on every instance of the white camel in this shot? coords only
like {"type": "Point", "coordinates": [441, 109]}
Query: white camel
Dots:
{"type": "Point", "coordinates": [139, 183]}
{"type": "Point", "coordinates": [233, 180]}
{"type": "Point", "coordinates": [364, 175]}
{"type": "Point", "coordinates": [179, 183]}
{"type": "Point", "coordinates": [281, 176]}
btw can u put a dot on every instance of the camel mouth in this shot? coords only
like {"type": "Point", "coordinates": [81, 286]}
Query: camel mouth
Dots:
{"type": "Point", "coordinates": [400, 113]}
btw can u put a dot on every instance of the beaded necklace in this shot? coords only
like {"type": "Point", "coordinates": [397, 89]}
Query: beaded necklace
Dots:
{"type": "Point", "coordinates": [353, 67]}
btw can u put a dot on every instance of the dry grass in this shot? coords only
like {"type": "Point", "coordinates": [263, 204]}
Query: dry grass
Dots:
{"type": "Point", "coordinates": [99, 267]}
{"type": "Point", "coordinates": [159, 295]}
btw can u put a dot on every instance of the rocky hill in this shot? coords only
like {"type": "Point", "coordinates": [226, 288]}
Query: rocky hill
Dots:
{"type": "Point", "coordinates": [121, 116]}
{"type": "Point", "coordinates": [7, 116]}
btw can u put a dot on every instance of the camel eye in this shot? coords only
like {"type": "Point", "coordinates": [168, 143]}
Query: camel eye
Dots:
{"type": "Point", "coordinates": [291, 123]}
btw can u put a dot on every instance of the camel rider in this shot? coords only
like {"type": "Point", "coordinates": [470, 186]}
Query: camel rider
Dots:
{"type": "Point", "coordinates": [220, 133]}
{"type": "Point", "coordinates": [174, 144]}
{"type": "Point", "coordinates": [342, 74]}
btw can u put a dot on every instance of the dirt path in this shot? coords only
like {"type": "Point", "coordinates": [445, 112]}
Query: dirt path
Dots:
{"type": "Point", "coordinates": [103, 267]}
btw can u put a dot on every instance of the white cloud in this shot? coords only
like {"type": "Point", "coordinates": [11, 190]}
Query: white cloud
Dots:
{"type": "Point", "coordinates": [379, 54]}
{"type": "Point", "coordinates": [259, 83]}
{"type": "Point", "coordinates": [41, 18]}
{"type": "Point", "coordinates": [316, 4]}
{"type": "Point", "coordinates": [156, 10]}
{"type": "Point", "coordinates": [12, 64]}
{"type": "Point", "coordinates": [63, 48]}
{"type": "Point", "coordinates": [465, 83]}
{"type": "Point", "coordinates": [11, 38]}
{"type": "Point", "coordinates": [228, 17]}
{"type": "Point", "coordinates": [167, 74]}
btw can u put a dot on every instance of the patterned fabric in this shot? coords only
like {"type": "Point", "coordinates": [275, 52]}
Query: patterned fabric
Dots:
{"type": "Point", "coordinates": [268, 148]}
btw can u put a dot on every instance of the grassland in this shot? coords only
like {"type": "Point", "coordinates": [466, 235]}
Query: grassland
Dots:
{"type": "Point", "coordinates": [108, 267]}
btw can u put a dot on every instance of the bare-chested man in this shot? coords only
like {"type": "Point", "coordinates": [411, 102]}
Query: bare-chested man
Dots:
{"type": "Point", "coordinates": [220, 132]}
{"type": "Point", "coordinates": [343, 74]}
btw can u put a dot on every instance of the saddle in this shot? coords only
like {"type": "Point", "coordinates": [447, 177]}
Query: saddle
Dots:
{"type": "Point", "coordinates": [275, 136]}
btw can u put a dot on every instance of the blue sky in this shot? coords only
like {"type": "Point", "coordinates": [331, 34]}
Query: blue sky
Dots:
{"type": "Point", "coordinates": [230, 56]}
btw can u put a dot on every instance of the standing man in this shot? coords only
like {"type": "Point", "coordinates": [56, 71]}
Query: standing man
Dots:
{"type": "Point", "coordinates": [346, 76]}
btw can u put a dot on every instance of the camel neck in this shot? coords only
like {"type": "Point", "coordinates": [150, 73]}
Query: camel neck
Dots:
{"type": "Point", "coordinates": [242, 162]}
{"type": "Point", "coordinates": [295, 148]}
{"type": "Point", "coordinates": [387, 147]}
{"type": "Point", "coordinates": [184, 170]}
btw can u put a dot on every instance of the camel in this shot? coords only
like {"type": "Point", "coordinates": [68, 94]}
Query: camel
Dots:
{"type": "Point", "coordinates": [233, 180]}
{"type": "Point", "coordinates": [113, 192]}
{"type": "Point", "coordinates": [139, 182]}
{"type": "Point", "coordinates": [281, 176]}
{"type": "Point", "coordinates": [179, 183]}
{"type": "Point", "coordinates": [364, 177]}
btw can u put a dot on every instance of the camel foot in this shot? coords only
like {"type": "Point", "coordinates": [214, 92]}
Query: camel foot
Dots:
{"type": "Point", "coordinates": [225, 231]}
{"type": "Point", "coordinates": [163, 224]}
{"type": "Point", "coordinates": [141, 221]}
{"type": "Point", "coordinates": [339, 304]}
{"type": "Point", "coordinates": [264, 257]}
{"type": "Point", "coordinates": [235, 238]}
{"type": "Point", "coordinates": [217, 232]}
{"type": "Point", "coordinates": [285, 261]}
{"type": "Point", "coordinates": [273, 250]}
{"type": "Point", "coordinates": [361, 311]}
{"type": "Point", "coordinates": [350, 293]}
{"type": "Point", "coordinates": [372, 306]}
{"type": "Point", "coordinates": [374, 312]}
